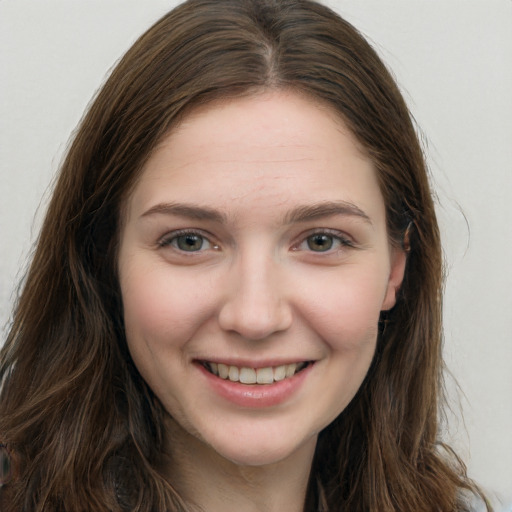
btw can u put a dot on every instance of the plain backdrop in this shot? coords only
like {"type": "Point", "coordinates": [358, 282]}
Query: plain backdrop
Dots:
{"type": "Point", "coordinates": [453, 61]}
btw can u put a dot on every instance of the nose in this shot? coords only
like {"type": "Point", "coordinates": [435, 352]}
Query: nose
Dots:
{"type": "Point", "coordinates": [256, 303]}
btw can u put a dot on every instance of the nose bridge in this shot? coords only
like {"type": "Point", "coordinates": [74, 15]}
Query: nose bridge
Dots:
{"type": "Point", "coordinates": [256, 304]}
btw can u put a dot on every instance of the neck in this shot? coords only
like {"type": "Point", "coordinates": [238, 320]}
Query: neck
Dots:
{"type": "Point", "coordinates": [212, 483]}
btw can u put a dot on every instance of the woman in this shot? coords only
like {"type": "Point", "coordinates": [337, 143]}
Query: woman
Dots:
{"type": "Point", "coordinates": [235, 298]}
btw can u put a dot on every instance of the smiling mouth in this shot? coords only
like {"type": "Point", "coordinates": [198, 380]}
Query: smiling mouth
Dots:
{"type": "Point", "coordinates": [246, 375]}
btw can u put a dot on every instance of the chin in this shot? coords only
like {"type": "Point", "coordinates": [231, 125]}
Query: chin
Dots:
{"type": "Point", "coordinates": [256, 451]}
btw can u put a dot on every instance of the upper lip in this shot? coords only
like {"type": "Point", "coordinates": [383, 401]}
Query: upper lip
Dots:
{"type": "Point", "coordinates": [251, 363]}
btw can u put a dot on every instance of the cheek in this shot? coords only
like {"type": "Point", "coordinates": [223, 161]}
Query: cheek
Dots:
{"type": "Point", "coordinates": [160, 307]}
{"type": "Point", "coordinates": [344, 306]}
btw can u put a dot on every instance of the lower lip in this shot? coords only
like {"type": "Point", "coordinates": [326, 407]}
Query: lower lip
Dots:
{"type": "Point", "coordinates": [256, 395]}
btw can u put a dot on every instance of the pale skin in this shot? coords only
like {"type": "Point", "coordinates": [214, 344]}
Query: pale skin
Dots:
{"type": "Point", "coordinates": [256, 239]}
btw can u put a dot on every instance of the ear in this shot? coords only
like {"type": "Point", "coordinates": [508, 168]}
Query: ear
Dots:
{"type": "Point", "coordinates": [396, 276]}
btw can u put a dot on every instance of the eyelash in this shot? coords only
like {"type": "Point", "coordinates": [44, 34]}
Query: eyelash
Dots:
{"type": "Point", "coordinates": [336, 236]}
{"type": "Point", "coordinates": [171, 239]}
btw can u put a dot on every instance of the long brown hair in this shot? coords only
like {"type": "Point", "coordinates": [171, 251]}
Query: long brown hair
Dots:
{"type": "Point", "coordinates": [83, 430]}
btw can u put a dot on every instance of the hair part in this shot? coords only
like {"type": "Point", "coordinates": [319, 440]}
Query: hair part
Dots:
{"type": "Point", "coordinates": [85, 427]}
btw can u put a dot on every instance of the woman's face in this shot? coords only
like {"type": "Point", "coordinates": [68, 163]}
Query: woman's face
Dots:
{"type": "Point", "coordinates": [254, 263]}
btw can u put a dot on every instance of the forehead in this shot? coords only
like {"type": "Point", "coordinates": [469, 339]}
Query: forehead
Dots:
{"type": "Point", "coordinates": [268, 120]}
{"type": "Point", "coordinates": [268, 149]}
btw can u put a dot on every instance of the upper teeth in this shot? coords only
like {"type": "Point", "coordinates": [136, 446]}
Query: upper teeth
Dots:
{"type": "Point", "coordinates": [246, 375]}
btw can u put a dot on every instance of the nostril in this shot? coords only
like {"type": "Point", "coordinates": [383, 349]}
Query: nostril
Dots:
{"type": "Point", "coordinates": [256, 317]}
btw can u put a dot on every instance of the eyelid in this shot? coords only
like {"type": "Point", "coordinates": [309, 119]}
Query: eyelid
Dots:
{"type": "Point", "coordinates": [345, 240]}
{"type": "Point", "coordinates": [165, 240]}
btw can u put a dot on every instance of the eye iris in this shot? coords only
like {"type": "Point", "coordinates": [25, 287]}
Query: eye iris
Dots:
{"type": "Point", "coordinates": [189, 242]}
{"type": "Point", "coordinates": [320, 242]}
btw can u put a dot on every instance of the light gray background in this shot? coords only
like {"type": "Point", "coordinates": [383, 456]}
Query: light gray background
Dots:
{"type": "Point", "coordinates": [453, 60]}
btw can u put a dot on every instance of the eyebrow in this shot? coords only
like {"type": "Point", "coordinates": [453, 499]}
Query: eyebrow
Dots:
{"type": "Point", "coordinates": [326, 209]}
{"type": "Point", "coordinates": [187, 210]}
{"type": "Point", "coordinates": [301, 213]}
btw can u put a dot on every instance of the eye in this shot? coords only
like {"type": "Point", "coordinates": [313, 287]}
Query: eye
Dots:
{"type": "Point", "coordinates": [320, 242]}
{"type": "Point", "coordinates": [323, 242]}
{"type": "Point", "coordinates": [187, 241]}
